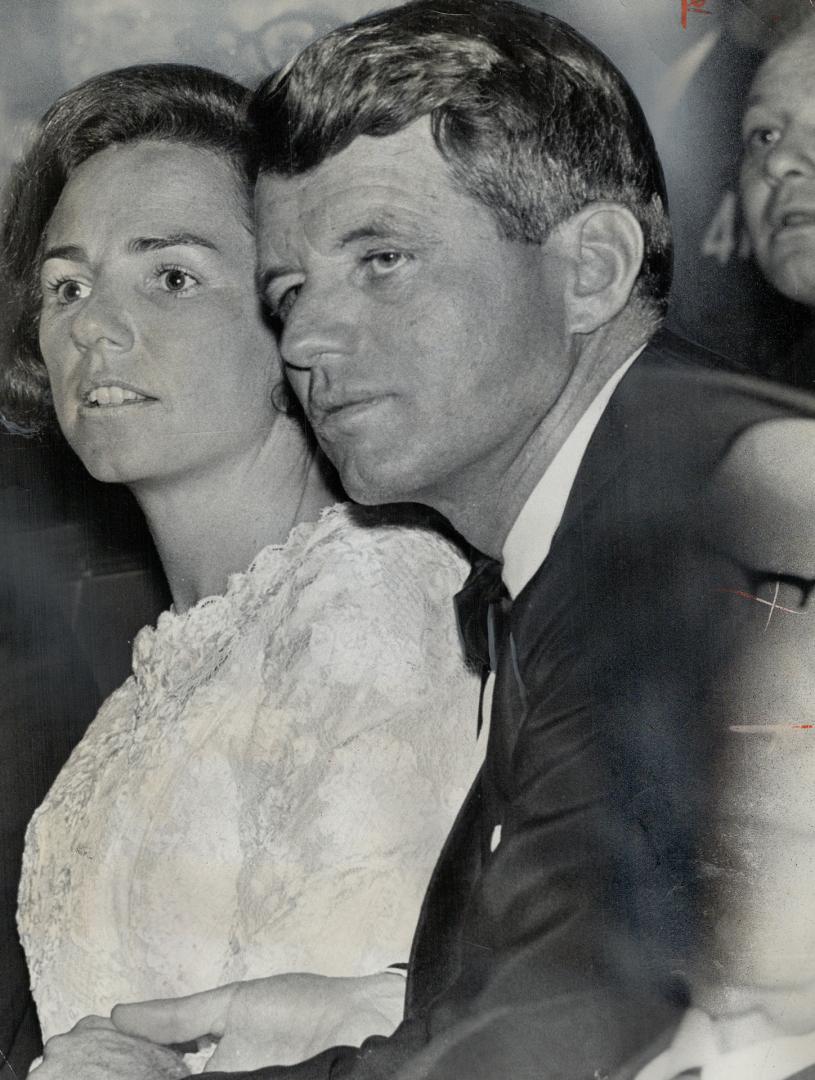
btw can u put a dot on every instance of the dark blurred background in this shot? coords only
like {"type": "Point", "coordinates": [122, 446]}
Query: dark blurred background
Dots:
{"type": "Point", "coordinates": [78, 575]}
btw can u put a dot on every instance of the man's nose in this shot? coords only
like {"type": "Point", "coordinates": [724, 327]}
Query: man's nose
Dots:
{"type": "Point", "coordinates": [320, 327]}
{"type": "Point", "coordinates": [101, 321]}
{"type": "Point", "coordinates": [792, 155]}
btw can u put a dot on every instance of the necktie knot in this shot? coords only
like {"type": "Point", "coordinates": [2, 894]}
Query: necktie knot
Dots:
{"type": "Point", "coordinates": [479, 605]}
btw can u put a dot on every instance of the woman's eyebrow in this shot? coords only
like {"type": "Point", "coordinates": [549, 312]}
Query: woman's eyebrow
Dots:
{"type": "Point", "coordinates": [140, 244]}
{"type": "Point", "coordinates": [137, 246]}
{"type": "Point", "coordinates": [65, 251]}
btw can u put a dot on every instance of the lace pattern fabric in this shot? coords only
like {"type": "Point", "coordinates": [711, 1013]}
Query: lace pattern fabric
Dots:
{"type": "Point", "coordinates": [269, 790]}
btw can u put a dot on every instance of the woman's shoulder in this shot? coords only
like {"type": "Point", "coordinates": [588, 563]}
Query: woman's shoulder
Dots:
{"type": "Point", "coordinates": [375, 584]}
{"type": "Point", "coordinates": [368, 634]}
{"type": "Point", "coordinates": [99, 750]}
{"type": "Point", "coordinates": [390, 543]}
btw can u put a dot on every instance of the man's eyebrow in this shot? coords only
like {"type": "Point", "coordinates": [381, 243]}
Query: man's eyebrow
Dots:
{"type": "Point", "coordinates": [374, 231]}
{"type": "Point", "coordinates": [265, 277]}
{"type": "Point", "coordinates": [141, 244]}
{"type": "Point", "coordinates": [384, 228]}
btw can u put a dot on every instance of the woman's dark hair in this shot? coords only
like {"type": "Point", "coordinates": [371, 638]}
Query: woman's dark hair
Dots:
{"type": "Point", "coordinates": [532, 119]}
{"type": "Point", "coordinates": [167, 102]}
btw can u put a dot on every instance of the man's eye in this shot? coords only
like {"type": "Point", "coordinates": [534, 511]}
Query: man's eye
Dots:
{"type": "Point", "coordinates": [174, 279]}
{"type": "Point", "coordinates": [68, 290]}
{"type": "Point", "coordinates": [760, 138]}
{"type": "Point", "coordinates": [382, 262]}
{"type": "Point", "coordinates": [282, 309]}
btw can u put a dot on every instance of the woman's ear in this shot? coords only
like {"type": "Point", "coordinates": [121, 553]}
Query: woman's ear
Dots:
{"type": "Point", "coordinates": [606, 247]}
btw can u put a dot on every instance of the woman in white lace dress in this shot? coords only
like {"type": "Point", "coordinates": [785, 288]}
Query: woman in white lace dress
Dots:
{"type": "Point", "coordinates": [269, 790]}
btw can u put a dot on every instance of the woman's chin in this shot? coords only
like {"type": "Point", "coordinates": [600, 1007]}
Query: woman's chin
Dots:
{"type": "Point", "coordinates": [108, 470]}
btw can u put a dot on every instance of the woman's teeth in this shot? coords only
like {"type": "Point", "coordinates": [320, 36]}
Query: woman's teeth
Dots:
{"type": "Point", "coordinates": [113, 395]}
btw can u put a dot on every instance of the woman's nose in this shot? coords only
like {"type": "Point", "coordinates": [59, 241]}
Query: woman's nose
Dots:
{"type": "Point", "coordinates": [101, 321]}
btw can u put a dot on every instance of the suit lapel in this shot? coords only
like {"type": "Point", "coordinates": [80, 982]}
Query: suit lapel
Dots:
{"type": "Point", "coordinates": [435, 953]}
{"type": "Point", "coordinates": [632, 1068]}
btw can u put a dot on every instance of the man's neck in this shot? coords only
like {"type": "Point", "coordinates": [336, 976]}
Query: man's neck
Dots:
{"type": "Point", "coordinates": [486, 503]}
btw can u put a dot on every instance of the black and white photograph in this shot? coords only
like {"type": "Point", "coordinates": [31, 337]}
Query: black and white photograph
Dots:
{"type": "Point", "coordinates": [407, 487]}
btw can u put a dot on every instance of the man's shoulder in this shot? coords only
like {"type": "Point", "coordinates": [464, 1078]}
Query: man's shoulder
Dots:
{"type": "Point", "coordinates": [634, 1066]}
{"type": "Point", "coordinates": [746, 448]}
{"type": "Point", "coordinates": [711, 384]}
{"type": "Point", "coordinates": [676, 413]}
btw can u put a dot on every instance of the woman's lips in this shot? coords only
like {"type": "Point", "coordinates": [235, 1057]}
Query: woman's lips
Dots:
{"type": "Point", "coordinates": [111, 395]}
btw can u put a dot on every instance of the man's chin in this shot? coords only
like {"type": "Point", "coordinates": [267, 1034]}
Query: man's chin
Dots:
{"type": "Point", "coordinates": [794, 277]}
{"type": "Point", "coordinates": [373, 485]}
{"type": "Point", "coordinates": [371, 494]}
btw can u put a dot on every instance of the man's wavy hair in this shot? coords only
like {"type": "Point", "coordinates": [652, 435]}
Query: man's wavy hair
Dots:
{"type": "Point", "coordinates": [168, 102]}
{"type": "Point", "coordinates": [533, 120]}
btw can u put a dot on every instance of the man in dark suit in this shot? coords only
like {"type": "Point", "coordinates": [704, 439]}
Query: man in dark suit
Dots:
{"type": "Point", "coordinates": [463, 236]}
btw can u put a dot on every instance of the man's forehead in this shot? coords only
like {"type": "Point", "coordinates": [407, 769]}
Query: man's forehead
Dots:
{"type": "Point", "coordinates": [283, 204]}
{"type": "Point", "coordinates": [795, 60]}
{"type": "Point", "coordinates": [395, 182]}
{"type": "Point", "coordinates": [407, 160]}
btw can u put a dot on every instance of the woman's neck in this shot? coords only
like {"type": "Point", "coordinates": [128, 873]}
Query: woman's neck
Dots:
{"type": "Point", "coordinates": [213, 524]}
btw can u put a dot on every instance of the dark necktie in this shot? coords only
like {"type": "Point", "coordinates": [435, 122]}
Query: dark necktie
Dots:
{"type": "Point", "coordinates": [482, 607]}
{"type": "Point", "coordinates": [479, 604]}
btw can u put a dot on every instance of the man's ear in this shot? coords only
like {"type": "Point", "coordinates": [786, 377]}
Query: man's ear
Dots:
{"type": "Point", "coordinates": [606, 245]}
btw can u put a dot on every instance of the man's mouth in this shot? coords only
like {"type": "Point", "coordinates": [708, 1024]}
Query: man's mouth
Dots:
{"type": "Point", "coordinates": [795, 219]}
{"type": "Point", "coordinates": [114, 394]}
{"type": "Point", "coordinates": [322, 411]}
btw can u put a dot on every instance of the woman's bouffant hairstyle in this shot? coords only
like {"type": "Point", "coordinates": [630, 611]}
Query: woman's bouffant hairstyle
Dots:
{"type": "Point", "coordinates": [167, 102]}
{"type": "Point", "coordinates": [533, 121]}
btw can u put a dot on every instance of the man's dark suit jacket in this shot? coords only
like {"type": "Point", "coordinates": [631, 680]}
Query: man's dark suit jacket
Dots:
{"type": "Point", "coordinates": [632, 1068]}
{"type": "Point", "coordinates": [560, 954]}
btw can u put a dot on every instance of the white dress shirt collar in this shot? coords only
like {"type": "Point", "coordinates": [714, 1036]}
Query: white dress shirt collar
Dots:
{"type": "Point", "coordinates": [695, 1046]}
{"type": "Point", "coordinates": [530, 538]}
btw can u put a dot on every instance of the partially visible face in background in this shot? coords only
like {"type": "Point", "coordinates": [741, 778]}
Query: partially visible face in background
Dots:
{"type": "Point", "coordinates": [160, 363]}
{"type": "Point", "coordinates": [778, 168]}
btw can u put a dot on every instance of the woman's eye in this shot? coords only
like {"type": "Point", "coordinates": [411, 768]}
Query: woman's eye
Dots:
{"type": "Point", "coordinates": [176, 280]}
{"type": "Point", "coordinates": [68, 290]}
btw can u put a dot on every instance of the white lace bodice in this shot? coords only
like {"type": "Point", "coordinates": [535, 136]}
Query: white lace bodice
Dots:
{"type": "Point", "coordinates": [269, 790]}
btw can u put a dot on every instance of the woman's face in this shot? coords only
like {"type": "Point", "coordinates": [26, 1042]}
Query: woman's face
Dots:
{"type": "Point", "coordinates": [160, 364]}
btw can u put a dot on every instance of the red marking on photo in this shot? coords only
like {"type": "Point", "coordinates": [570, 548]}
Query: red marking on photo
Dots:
{"type": "Point", "coordinates": [695, 7]}
{"type": "Point", "coordinates": [773, 604]}
{"type": "Point", "coordinates": [768, 729]}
